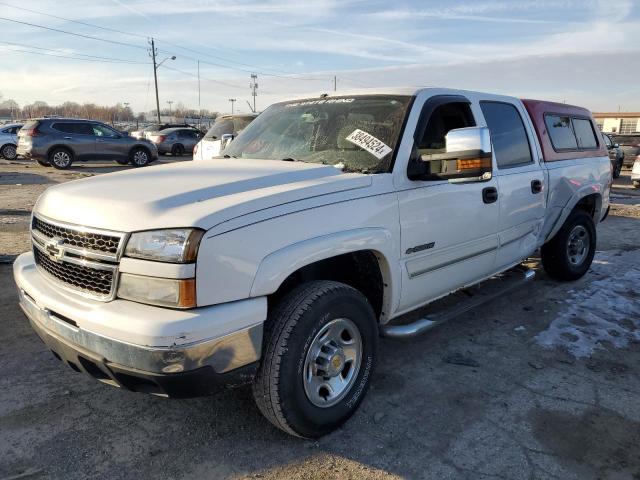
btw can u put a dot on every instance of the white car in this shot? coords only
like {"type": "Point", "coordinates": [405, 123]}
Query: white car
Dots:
{"type": "Point", "coordinates": [223, 130]}
{"type": "Point", "coordinates": [635, 173]}
{"type": "Point", "coordinates": [9, 140]}
{"type": "Point", "coordinates": [327, 219]}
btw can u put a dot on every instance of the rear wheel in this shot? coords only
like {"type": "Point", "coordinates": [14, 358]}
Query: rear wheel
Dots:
{"type": "Point", "coordinates": [140, 157]}
{"type": "Point", "coordinates": [177, 150]}
{"type": "Point", "coordinates": [60, 158]}
{"type": "Point", "coordinates": [569, 254]}
{"type": "Point", "coordinates": [319, 352]}
{"type": "Point", "coordinates": [9, 152]}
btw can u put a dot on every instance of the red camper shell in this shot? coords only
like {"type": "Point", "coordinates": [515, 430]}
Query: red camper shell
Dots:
{"type": "Point", "coordinates": [571, 137]}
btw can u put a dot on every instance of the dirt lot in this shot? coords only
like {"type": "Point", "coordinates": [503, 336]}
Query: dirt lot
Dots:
{"type": "Point", "coordinates": [543, 383]}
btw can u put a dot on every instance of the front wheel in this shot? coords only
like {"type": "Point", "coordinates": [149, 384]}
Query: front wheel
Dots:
{"type": "Point", "coordinates": [9, 152]}
{"type": "Point", "coordinates": [319, 353]}
{"type": "Point", "coordinates": [617, 170]}
{"type": "Point", "coordinates": [140, 157]}
{"type": "Point", "coordinates": [569, 254]}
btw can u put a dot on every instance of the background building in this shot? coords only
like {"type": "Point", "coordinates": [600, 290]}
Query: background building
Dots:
{"type": "Point", "coordinates": [618, 122]}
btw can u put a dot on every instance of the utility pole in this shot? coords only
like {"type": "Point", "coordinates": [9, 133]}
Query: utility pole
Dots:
{"type": "Point", "coordinates": [169, 102]}
{"type": "Point", "coordinates": [199, 107]}
{"type": "Point", "coordinates": [126, 105]}
{"type": "Point", "coordinates": [153, 54]}
{"type": "Point", "coordinates": [232, 100]}
{"type": "Point", "coordinates": [335, 83]}
{"type": "Point", "coordinates": [254, 86]}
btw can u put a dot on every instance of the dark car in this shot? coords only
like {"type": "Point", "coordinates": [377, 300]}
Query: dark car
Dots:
{"type": "Point", "coordinates": [616, 155]}
{"type": "Point", "coordinates": [149, 130]}
{"type": "Point", "coordinates": [630, 145]}
{"type": "Point", "coordinates": [58, 142]}
{"type": "Point", "coordinates": [175, 141]}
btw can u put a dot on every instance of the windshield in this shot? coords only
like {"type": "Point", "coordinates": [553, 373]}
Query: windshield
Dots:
{"type": "Point", "coordinates": [219, 128]}
{"type": "Point", "coordinates": [356, 134]}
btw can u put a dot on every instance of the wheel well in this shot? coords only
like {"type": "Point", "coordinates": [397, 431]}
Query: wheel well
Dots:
{"type": "Point", "coordinates": [62, 147]}
{"type": "Point", "coordinates": [360, 270]}
{"type": "Point", "coordinates": [590, 204]}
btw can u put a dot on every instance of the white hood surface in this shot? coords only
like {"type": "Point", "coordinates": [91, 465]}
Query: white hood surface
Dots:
{"type": "Point", "coordinates": [190, 194]}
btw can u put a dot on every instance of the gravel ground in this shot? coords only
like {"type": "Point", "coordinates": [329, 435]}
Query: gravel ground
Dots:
{"type": "Point", "coordinates": [542, 383]}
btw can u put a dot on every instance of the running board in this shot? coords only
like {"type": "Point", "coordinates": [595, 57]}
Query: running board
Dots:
{"type": "Point", "coordinates": [477, 295]}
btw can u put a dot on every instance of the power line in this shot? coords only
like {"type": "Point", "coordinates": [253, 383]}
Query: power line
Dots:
{"type": "Point", "coordinates": [115, 42]}
{"type": "Point", "coordinates": [87, 24]}
{"type": "Point", "coordinates": [203, 78]}
{"type": "Point", "coordinates": [65, 54]}
{"type": "Point", "coordinates": [9, 49]}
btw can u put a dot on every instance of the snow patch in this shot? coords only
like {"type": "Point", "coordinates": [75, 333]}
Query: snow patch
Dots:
{"type": "Point", "coordinates": [605, 311]}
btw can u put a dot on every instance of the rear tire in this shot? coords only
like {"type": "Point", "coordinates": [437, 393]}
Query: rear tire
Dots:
{"type": "Point", "coordinates": [9, 152]}
{"type": "Point", "coordinates": [319, 352]}
{"type": "Point", "coordinates": [569, 254]}
{"type": "Point", "coordinates": [60, 158]}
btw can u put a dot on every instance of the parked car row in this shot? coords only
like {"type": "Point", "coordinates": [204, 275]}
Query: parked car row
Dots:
{"type": "Point", "coordinates": [224, 129]}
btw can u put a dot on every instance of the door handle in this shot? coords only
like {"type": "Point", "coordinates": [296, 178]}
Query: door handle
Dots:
{"type": "Point", "coordinates": [489, 194]}
{"type": "Point", "coordinates": [536, 186]}
{"type": "Point", "coordinates": [67, 138]}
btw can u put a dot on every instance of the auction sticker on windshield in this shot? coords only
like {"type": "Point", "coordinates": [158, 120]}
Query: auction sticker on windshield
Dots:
{"type": "Point", "coordinates": [368, 142]}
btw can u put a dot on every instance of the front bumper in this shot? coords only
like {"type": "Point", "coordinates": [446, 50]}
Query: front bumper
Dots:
{"type": "Point", "coordinates": [176, 369]}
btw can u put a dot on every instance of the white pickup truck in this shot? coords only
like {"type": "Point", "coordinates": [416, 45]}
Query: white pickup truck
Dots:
{"type": "Point", "coordinates": [326, 219]}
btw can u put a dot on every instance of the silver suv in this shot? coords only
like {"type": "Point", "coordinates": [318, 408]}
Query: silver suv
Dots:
{"type": "Point", "coordinates": [59, 142]}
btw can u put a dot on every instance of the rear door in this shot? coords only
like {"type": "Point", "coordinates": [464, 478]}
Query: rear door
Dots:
{"type": "Point", "coordinates": [448, 230]}
{"type": "Point", "coordinates": [521, 183]}
{"type": "Point", "coordinates": [78, 136]}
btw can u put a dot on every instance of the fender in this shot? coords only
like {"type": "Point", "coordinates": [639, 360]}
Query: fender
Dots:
{"type": "Point", "coordinates": [277, 266]}
{"type": "Point", "coordinates": [578, 195]}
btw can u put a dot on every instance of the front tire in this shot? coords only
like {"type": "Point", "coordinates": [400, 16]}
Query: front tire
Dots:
{"type": "Point", "coordinates": [9, 152]}
{"type": "Point", "coordinates": [177, 150]}
{"type": "Point", "coordinates": [569, 254]}
{"type": "Point", "coordinates": [617, 170]}
{"type": "Point", "coordinates": [140, 157]}
{"type": "Point", "coordinates": [319, 352]}
{"type": "Point", "coordinates": [60, 158]}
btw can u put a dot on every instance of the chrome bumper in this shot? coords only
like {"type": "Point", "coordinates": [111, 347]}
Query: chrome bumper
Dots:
{"type": "Point", "coordinates": [222, 354]}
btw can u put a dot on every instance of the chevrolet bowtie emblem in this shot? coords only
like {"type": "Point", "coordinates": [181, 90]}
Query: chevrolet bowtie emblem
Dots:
{"type": "Point", "coordinates": [55, 248]}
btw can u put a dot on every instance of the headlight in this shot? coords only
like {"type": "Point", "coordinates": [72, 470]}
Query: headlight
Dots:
{"type": "Point", "coordinates": [175, 245]}
{"type": "Point", "coordinates": [164, 292]}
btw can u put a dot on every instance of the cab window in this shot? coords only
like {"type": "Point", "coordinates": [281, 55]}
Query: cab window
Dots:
{"type": "Point", "coordinates": [508, 135]}
{"type": "Point", "coordinates": [444, 118]}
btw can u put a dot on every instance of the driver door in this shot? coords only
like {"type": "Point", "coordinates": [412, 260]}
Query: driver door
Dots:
{"type": "Point", "coordinates": [448, 228]}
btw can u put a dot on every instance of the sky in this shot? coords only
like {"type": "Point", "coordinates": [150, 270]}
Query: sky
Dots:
{"type": "Point", "coordinates": [583, 52]}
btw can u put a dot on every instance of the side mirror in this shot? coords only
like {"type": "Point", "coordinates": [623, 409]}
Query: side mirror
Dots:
{"type": "Point", "coordinates": [467, 157]}
{"type": "Point", "coordinates": [225, 139]}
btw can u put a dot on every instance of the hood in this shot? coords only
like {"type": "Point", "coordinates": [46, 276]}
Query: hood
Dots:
{"type": "Point", "coordinates": [190, 194]}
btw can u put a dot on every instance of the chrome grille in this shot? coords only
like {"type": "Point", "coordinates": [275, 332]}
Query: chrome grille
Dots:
{"type": "Point", "coordinates": [94, 282]}
{"type": "Point", "coordinates": [78, 258]}
{"type": "Point", "coordinates": [77, 237]}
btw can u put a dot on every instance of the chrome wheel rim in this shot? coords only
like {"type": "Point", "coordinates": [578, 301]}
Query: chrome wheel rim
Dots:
{"type": "Point", "coordinates": [140, 157]}
{"type": "Point", "coordinates": [332, 362]}
{"type": "Point", "coordinates": [578, 245]}
{"type": "Point", "coordinates": [9, 152]}
{"type": "Point", "coordinates": [61, 159]}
